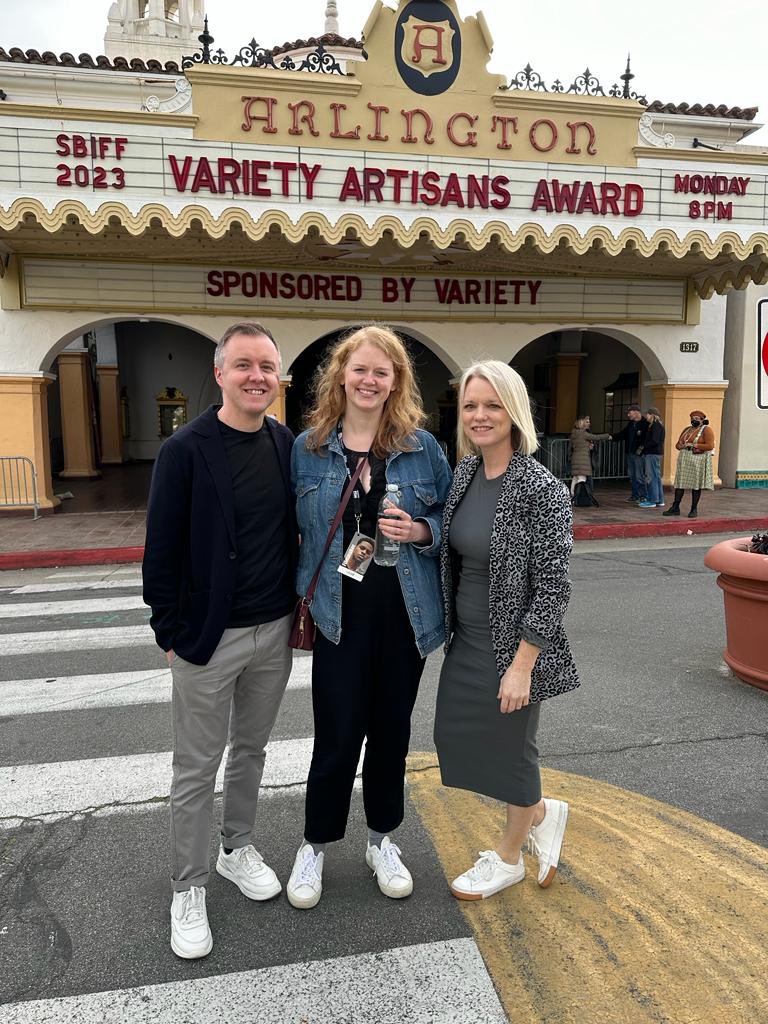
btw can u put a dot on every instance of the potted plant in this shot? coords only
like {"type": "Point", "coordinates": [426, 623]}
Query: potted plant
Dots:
{"type": "Point", "coordinates": [743, 568]}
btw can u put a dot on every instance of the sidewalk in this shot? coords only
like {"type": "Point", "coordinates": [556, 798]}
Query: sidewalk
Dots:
{"type": "Point", "coordinates": [105, 521]}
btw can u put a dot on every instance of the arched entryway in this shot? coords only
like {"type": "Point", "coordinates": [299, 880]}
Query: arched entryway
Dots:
{"type": "Point", "coordinates": [120, 388]}
{"type": "Point", "coordinates": [576, 372]}
{"type": "Point", "coordinates": [433, 377]}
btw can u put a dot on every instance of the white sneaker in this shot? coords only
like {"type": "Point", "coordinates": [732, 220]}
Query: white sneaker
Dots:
{"type": "Point", "coordinates": [393, 876]}
{"type": "Point", "coordinates": [545, 840]}
{"type": "Point", "coordinates": [305, 886]}
{"type": "Point", "coordinates": [489, 875]}
{"type": "Point", "coordinates": [190, 934]}
{"type": "Point", "coordinates": [246, 868]}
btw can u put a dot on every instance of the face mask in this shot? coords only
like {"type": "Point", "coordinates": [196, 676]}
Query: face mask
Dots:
{"type": "Point", "coordinates": [696, 423]}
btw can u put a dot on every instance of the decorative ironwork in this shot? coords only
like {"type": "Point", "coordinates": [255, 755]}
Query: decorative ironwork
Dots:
{"type": "Point", "coordinates": [528, 79]}
{"type": "Point", "coordinates": [252, 55]}
{"type": "Point", "coordinates": [586, 84]}
{"type": "Point", "coordinates": [625, 93]}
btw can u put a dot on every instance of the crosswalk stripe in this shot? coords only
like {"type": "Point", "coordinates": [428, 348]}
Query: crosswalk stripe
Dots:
{"type": "Point", "coordinates": [61, 640]}
{"type": "Point", "coordinates": [116, 689]}
{"type": "Point", "coordinates": [55, 588]}
{"type": "Point", "coordinates": [35, 609]}
{"type": "Point", "coordinates": [73, 574]}
{"type": "Point", "coordinates": [113, 784]}
{"type": "Point", "coordinates": [435, 981]}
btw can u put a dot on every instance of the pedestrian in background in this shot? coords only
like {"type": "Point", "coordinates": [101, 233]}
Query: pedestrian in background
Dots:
{"type": "Point", "coordinates": [219, 567]}
{"type": "Point", "coordinates": [653, 450]}
{"type": "Point", "coordinates": [581, 447]}
{"type": "Point", "coordinates": [373, 631]}
{"type": "Point", "coordinates": [507, 537]}
{"type": "Point", "coordinates": [633, 436]}
{"type": "Point", "coordinates": [694, 463]}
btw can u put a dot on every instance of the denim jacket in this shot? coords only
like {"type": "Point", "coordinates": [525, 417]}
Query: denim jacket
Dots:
{"type": "Point", "coordinates": [319, 479]}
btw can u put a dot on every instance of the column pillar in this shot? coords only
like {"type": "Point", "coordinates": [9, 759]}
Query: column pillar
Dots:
{"type": "Point", "coordinates": [109, 415]}
{"type": "Point", "coordinates": [566, 370]}
{"type": "Point", "coordinates": [76, 418]}
{"type": "Point", "coordinates": [675, 402]}
{"type": "Point", "coordinates": [24, 429]}
{"type": "Point", "coordinates": [277, 409]}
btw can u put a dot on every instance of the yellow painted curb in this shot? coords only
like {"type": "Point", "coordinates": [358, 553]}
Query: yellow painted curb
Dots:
{"type": "Point", "coordinates": [655, 916]}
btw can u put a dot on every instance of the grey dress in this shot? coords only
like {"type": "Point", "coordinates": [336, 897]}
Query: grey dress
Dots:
{"type": "Point", "coordinates": [479, 748]}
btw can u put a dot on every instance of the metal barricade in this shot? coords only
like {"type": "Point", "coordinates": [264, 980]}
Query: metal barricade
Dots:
{"type": "Point", "coordinates": [610, 458]}
{"type": "Point", "coordinates": [18, 483]}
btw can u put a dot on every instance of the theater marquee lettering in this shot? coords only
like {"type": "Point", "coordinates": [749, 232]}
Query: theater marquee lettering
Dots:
{"type": "Point", "coordinates": [148, 168]}
{"type": "Point", "coordinates": [416, 126]}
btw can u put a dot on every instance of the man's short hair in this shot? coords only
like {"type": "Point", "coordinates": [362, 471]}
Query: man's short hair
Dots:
{"type": "Point", "coordinates": [634, 407]}
{"type": "Point", "coordinates": [249, 327]}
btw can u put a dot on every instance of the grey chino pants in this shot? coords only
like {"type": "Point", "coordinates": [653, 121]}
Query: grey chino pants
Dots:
{"type": "Point", "coordinates": [237, 694]}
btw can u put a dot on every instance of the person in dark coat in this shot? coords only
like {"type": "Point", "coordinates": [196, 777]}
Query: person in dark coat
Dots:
{"type": "Point", "coordinates": [219, 565]}
{"type": "Point", "coordinates": [653, 452]}
{"type": "Point", "coordinates": [633, 436]}
{"type": "Point", "coordinates": [506, 542]}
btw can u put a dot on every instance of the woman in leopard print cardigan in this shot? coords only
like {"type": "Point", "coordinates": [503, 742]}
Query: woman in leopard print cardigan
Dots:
{"type": "Point", "coordinates": [506, 542]}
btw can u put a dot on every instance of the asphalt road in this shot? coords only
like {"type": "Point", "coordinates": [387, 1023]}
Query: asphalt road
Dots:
{"type": "Point", "coordinates": [83, 893]}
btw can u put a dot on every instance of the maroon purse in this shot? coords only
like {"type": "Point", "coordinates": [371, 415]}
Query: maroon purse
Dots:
{"type": "Point", "coordinates": [303, 629]}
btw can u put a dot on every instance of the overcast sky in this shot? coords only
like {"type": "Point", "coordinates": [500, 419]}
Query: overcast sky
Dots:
{"type": "Point", "coordinates": [704, 51]}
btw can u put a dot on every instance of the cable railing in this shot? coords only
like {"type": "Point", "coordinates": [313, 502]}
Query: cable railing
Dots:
{"type": "Point", "coordinates": [18, 483]}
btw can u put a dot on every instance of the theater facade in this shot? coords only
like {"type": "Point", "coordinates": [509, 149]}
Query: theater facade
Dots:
{"type": "Point", "coordinates": [610, 249]}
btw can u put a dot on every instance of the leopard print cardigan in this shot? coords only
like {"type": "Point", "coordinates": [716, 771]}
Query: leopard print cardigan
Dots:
{"type": "Point", "coordinates": [531, 542]}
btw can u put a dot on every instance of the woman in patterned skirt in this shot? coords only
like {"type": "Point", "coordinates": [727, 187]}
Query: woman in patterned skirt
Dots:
{"type": "Point", "coordinates": [694, 463]}
{"type": "Point", "coordinates": [504, 554]}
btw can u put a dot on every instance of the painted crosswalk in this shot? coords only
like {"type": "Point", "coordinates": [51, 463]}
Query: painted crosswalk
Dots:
{"type": "Point", "coordinates": [100, 605]}
{"type": "Point", "coordinates": [102, 681]}
{"type": "Point", "coordinates": [421, 984]}
{"type": "Point", "coordinates": [114, 784]}
{"type": "Point", "coordinates": [116, 689]}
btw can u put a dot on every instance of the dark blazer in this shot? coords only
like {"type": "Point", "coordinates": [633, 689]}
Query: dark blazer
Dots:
{"type": "Point", "coordinates": [529, 586]}
{"type": "Point", "coordinates": [190, 557]}
{"type": "Point", "coordinates": [633, 434]}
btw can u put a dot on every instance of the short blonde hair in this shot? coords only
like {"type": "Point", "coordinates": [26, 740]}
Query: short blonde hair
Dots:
{"type": "Point", "coordinates": [403, 413]}
{"type": "Point", "coordinates": [513, 395]}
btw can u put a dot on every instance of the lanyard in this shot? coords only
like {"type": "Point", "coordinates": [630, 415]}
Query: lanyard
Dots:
{"type": "Point", "coordinates": [357, 506]}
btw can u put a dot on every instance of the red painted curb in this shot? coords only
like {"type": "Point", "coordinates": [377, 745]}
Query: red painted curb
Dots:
{"type": "Point", "coordinates": [668, 528]}
{"type": "Point", "coordinates": [602, 531]}
{"type": "Point", "coordinates": [77, 556]}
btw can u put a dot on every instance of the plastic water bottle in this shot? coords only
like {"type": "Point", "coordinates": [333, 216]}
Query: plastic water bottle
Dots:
{"type": "Point", "coordinates": [386, 551]}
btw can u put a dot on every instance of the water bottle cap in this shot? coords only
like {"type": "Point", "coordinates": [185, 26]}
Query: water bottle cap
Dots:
{"type": "Point", "coordinates": [391, 487]}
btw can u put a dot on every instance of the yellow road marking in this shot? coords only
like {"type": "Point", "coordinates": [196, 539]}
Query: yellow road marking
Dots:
{"type": "Point", "coordinates": [655, 916]}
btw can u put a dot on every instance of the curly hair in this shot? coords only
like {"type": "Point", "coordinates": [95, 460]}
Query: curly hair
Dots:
{"type": "Point", "coordinates": [403, 412]}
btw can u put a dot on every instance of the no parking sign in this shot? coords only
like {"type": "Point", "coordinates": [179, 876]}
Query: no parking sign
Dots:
{"type": "Point", "coordinates": [762, 354]}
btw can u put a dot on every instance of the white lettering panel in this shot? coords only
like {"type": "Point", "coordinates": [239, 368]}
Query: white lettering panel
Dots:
{"type": "Point", "coordinates": [85, 284]}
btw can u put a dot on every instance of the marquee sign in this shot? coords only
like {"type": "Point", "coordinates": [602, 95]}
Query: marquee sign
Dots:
{"type": "Point", "coordinates": [148, 168]}
{"type": "Point", "coordinates": [762, 354]}
{"type": "Point", "coordinates": [185, 288]}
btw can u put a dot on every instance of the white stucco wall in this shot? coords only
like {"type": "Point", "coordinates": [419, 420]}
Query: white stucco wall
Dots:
{"type": "Point", "coordinates": [744, 444]}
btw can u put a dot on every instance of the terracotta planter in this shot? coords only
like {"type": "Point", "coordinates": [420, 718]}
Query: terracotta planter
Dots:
{"type": "Point", "coordinates": [744, 581]}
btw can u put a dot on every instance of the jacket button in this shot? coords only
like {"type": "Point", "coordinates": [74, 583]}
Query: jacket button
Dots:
{"type": "Point", "coordinates": [416, 608]}
{"type": "Point", "coordinates": [232, 555]}
{"type": "Point", "coordinates": [406, 572]}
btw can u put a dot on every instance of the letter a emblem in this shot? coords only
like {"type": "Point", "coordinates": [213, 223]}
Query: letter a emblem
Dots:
{"type": "Point", "coordinates": [427, 45]}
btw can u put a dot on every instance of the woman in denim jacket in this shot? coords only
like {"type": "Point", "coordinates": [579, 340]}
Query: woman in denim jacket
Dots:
{"type": "Point", "coordinates": [374, 632]}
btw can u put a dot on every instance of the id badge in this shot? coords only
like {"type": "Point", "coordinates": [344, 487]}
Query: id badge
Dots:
{"type": "Point", "coordinates": [357, 557]}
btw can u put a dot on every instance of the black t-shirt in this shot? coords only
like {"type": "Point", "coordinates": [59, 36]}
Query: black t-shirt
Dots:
{"type": "Point", "coordinates": [264, 590]}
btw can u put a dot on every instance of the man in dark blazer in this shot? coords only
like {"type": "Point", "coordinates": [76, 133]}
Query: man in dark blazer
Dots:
{"type": "Point", "coordinates": [219, 570]}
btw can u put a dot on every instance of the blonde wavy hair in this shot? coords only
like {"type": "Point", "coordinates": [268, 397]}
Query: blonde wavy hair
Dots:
{"type": "Point", "coordinates": [513, 395]}
{"type": "Point", "coordinates": [403, 412]}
